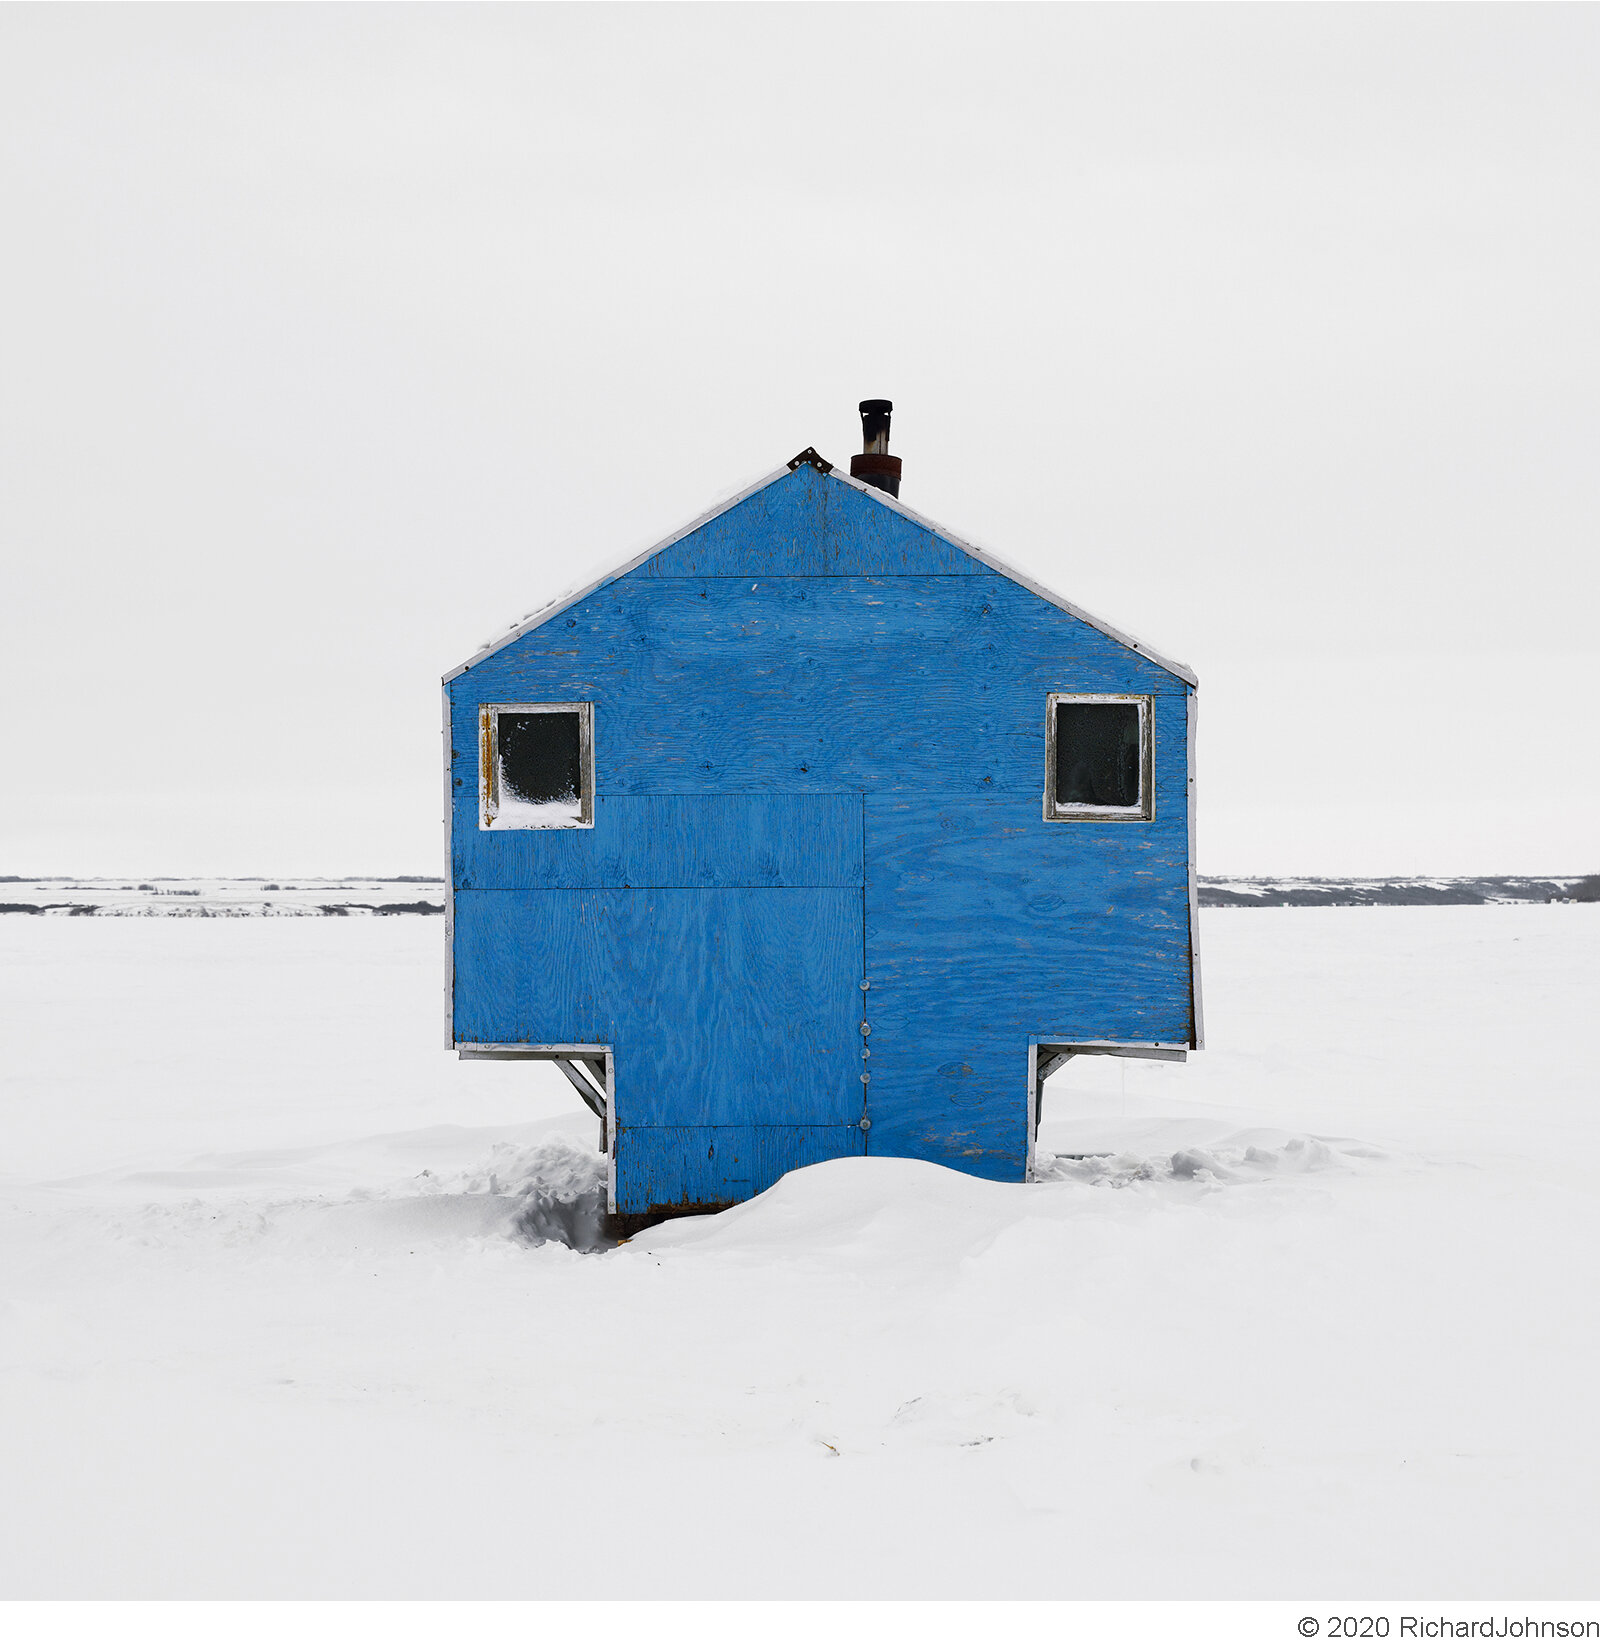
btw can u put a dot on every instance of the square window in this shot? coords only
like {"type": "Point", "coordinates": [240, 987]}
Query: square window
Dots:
{"type": "Point", "coordinates": [536, 767]}
{"type": "Point", "coordinates": [1098, 757]}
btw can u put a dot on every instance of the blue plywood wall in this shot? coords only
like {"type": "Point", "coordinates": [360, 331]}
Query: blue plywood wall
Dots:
{"type": "Point", "coordinates": [819, 761]}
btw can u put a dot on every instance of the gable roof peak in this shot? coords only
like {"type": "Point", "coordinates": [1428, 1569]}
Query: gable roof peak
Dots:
{"type": "Point", "coordinates": [885, 501]}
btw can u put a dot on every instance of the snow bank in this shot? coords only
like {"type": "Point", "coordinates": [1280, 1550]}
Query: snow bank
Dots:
{"type": "Point", "coordinates": [1257, 1154]}
{"type": "Point", "coordinates": [878, 1208]}
{"type": "Point", "coordinates": [560, 1185]}
{"type": "Point", "coordinates": [548, 1186]}
{"type": "Point", "coordinates": [552, 1188]}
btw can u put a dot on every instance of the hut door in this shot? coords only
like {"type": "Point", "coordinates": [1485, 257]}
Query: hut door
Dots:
{"type": "Point", "coordinates": [738, 1049]}
{"type": "Point", "coordinates": [743, 1062]}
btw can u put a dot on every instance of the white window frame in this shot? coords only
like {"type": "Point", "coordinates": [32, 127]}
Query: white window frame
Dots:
{"type": "Point", "coordinates": [489, 762]}
{"type": "Point", "coordinates": [1145, 807]}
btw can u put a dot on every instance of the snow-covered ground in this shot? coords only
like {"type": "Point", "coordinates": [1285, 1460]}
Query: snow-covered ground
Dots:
{"type": "Point", "coordinates": [1320, 1320]}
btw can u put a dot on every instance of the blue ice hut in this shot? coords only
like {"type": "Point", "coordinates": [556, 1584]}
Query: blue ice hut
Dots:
{"type": "Point", "coordinates": [814, 832]}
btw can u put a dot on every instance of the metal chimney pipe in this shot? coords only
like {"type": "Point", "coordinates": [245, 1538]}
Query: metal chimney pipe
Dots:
{"type": "Point", "coordinates": [872, 464]}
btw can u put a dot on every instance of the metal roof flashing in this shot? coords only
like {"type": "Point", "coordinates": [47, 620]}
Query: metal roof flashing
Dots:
{"type": "Point", "coordinates": [560, 604]}
{"type": "Point", "coordinates": [1043, 592]}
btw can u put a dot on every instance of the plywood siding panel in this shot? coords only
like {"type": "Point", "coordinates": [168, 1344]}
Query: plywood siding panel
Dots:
{"type": "Point", "coordinates": [950, 1094]}
{"type": "Point", "coordinates": [672, 1167]}
{"type": "Point", "coordinates": [987, 927]}
{"type": "Point", "coordinates": [806, 524]}
{"type": "Point", "coordinates": [807, 684]}
{"type": "Point", "coordinates": [685, 841]}
{"type": "Point", "coordinates": [722, 1006]}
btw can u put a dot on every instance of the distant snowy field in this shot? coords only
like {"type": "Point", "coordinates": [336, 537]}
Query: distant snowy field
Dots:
{"type": "Point", "coordinates": [1320, 1320]}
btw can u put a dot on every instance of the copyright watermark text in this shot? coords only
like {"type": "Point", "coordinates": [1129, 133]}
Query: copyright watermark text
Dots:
{"type": "Point", "coordinates": [1445, 1627]}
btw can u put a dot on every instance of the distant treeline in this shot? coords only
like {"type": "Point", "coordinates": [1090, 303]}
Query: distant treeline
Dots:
{"type": "Point", "coordinates": [1249, 891]}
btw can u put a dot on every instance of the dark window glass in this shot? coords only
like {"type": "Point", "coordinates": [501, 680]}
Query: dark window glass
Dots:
{"type": "Point", "coordinates": [540, 756]}
{"type": "Point", "coordinates": [1097, 756]}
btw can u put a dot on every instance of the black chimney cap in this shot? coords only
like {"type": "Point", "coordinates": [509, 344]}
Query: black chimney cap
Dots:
{"type": "Point", "coordinates": [875, 426]}
{"type": "Point", "coordinates": [873, 463]}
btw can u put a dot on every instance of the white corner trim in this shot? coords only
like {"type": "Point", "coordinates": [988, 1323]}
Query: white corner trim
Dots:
{"type": "Point", "coordinates": [449, 879]}
{"type": "Point", "coordinates": [1033, 1112]}
{"type": "Point", "coordinates": [1199, 1018]}
{"type": "Point", "coordinates": [611, 1130]}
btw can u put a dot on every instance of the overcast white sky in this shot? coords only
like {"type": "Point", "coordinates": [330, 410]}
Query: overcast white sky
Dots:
{"type": "Point", "coordinates": [336, 338]}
